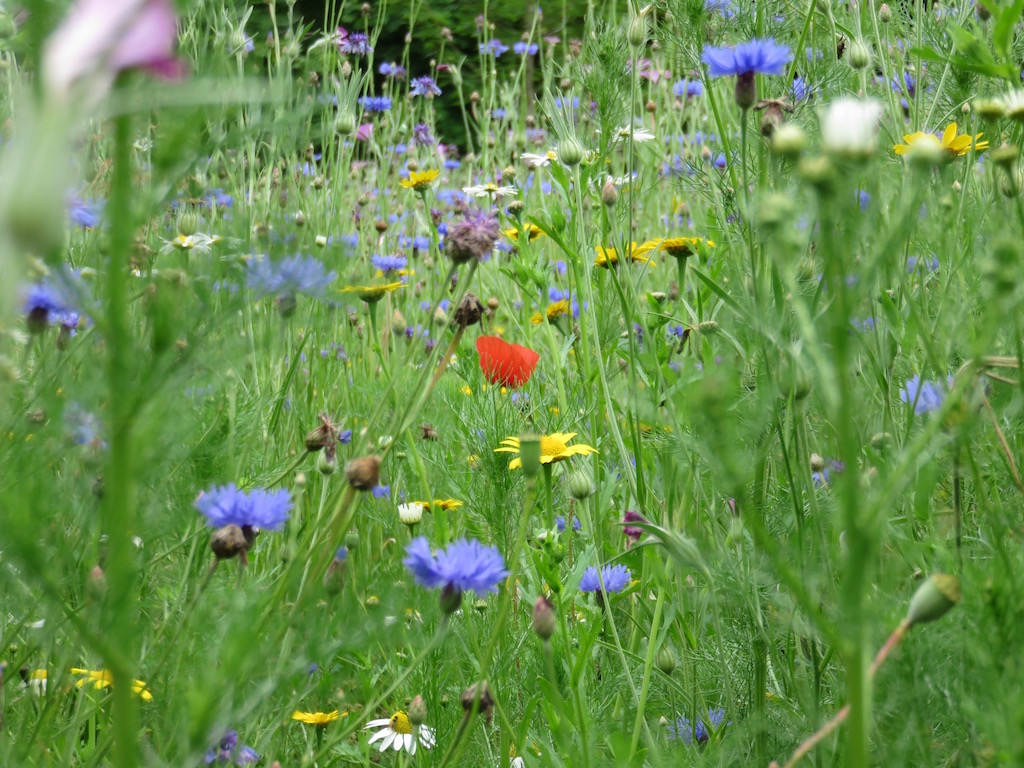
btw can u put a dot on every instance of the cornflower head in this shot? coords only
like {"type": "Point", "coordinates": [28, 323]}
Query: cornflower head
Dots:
{"type": "Point", "coordinates": [473, 237]}
{"type": "Point", "coordinates": [925, 396]}
{"type": "Point", "coordinates": [46, 304]}
{"type": "Point", "coordinates": [389, 264]}
{"type": "Point", "coordinates": [392, 70]}
{"type": "Point", "coordinates": [687, 732]}
{"type": "Point", "coordinates": [373, 104]}
{"type": "Point", "coordinates": [259, 509]}
{"type": "Point", "coordinates": [287, 278]}
{"type": "Point", "coordinates": [421, 135]}
{"type": "Point", "coordinates": [354, 43]}
{"type": "Point", "coordinates": [615, 577]}
{"type": "Point", "coordinates": [525, 49]}
{"type": "Point", "coordinates": [493, 48]}
{"type": "Point", "coordinates": [229, 751]}
{"type": "Point", "coordinates": [464, 565]}
{"type": "Point", "coordinates": [744, 61]}
{"type": "Point", "coordinates": [424, 86]}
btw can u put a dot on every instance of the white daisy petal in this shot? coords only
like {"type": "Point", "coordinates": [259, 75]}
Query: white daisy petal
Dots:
{"type": "Point", "coordinates": [397, 744]}
{"type": "Point", "coordinates": [387, 741]}
{"type": "Point", "coordinates": [377, 723]}
{"type": "Point", "coordinates": [379, 735]}
{"type": "Point", "coordinates": [412, 745]}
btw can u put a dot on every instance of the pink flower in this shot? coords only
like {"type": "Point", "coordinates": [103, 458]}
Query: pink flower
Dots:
{"type": "Point", "coordinates": [100, 38]}
{"type": "Point", "coordinates": [364, 132]}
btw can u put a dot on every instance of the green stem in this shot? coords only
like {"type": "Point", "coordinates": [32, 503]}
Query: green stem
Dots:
{"type": "Point", "coordinates": [648, 666]}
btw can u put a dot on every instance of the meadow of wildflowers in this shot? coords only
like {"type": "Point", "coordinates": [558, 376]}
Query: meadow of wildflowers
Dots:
{"type": "Point", "coordinates": [585, 385]}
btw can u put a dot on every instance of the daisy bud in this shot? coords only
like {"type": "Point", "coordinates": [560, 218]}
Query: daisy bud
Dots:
{"type": "Point", "coordinates": [529, 454]}
{"type": "Point", "coordinates": [817, 462]}
{"type": "Point", "coordinates": [990, 109]}
{"type": "Point", "coordinates": [440, 317]}
{"type": "Point", "coordinates": [666, 660]}
{"type": "Point", "coordinates": [398, 324]}
{"type": "Point", "coordinates": [880, 441]}
{"type": "Point", "coordinates": [788, 140]}
{"type": "Point", "coordinates": [321, 241]}
{"type": "Point", "coordinates": [543, 618]}
{"type": "Point", "coordinates": [363, 473]}
{"type": "Point", "coordinates": [570, 151]}
{"type": "Point", "coordinates": [933, 599]}
{"type": "Point", "coordinates": [609, 194]}
{"type": "Point", "coordinates": [516, 207]}
{"type": "Point", "coordinates": [580, 484]}
{"type": "Point", "coordinates": [478, 696]}
{"type": "Point", "coordinates": [885, 13]}
{"type": "Point", "coordinates": [417, 711]}
{"type": "Point", "coordinates": [469, 312]}
{"type": "Point", "coordinates": [227, 542]}
{"type": "Point", "coordinates": [493, 303]}
{"type": "Point", "coordinates": [1005, 156]}
{"type": "Point", "coordinates": [188, 222]}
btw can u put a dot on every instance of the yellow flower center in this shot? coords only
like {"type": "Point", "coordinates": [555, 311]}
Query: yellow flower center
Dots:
{"type": "Point", "coordinates": [400, 723]}
{"type": "Point", "coordinates": [552, 446]}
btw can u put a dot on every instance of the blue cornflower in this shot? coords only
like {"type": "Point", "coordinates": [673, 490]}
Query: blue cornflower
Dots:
{"type": "Point", "coordinates": [615, 578]}
{"type": "Point", "coordinates": [345, 436]}
{"type": "Point", "coordinates": [389, 263]}
{"type": "Point", "coordinates": [355, 44]}
{"type": "Point", "coordinates": [687, 732]}
{"type": "Point", "coordinates": [687, 88]}
{"type": "Point", "coordinates": [375, 103]}
{"type": "Point", "coordinates": [801, 90]}
{"type": "Point", "coordinates": [84, 213]}
{"type": "Point", "coordinates": [393, 70]}
{"type": "Point", "coordinates": [528, 49]}
{"type": "Point", "coordinates": [84, 427]}
{"type": "Point", "coordinates": [560, 524]}
{"type": "Point", "coordinates": [381, 492]}
{"type": "Point", "coordinates": [927, 264]}
{"type": "Point", "coordinates": [925, 396]}
{"type": "Point", "coordinates": [724, 7]}
{"type": "Point", "coordinates": [465, 565]}
{"type": "Point", "coordinates": [493, 48]}
{"type": "Point", "coordinates": [743, 62]}
{"type": "Point", "coordinates": [288, 277]}
{"type": "Point", "coordinates": [228, 505]}
{"type": "Point", "coordinates": [228, 751]}
{"type": "Point", "coordinates": [424, 86]}
{"type": "Point", "coordinates": [51, 303]}
{"type": "Point", "coordinates": [764, 57]}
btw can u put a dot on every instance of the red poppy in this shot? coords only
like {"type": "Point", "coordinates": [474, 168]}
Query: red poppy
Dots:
{"type": "Point", "coordinates": [510, 365]}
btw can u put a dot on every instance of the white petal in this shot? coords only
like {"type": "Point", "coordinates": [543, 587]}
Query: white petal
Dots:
{"type": "Point", "coordinates": [412, 747]}
{"type": "Point", "coordinates": [427, 736]}
{"type": "Point", "coordinates": [379, 735]}
{"type": "Point", "coordinates": [398, 742]}
{"type": "Point", "coordinates": [377, 723]}
{"type": "Point", "coordinates": [387, 741]}
{"type": "Point", "coordinates": [410, 743]}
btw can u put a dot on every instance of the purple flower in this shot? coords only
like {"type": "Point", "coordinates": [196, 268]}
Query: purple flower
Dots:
{"type": "Point", "coordinates": [632, 532]}
{"type": "Point", "coordinates": [473, 237]}
{"type": "Point", "coordinates": [758, 56]}
{"type": "Point", "coordinates": [925, 396]}
{"type": "Point", "coordinates": [375, 103]}
{"type": "Point", "coordinates": [687, 732]}
{"type": "Point", "coordinates": [688, 88]}
{"type": "Point", "coordinates": [527, 49]}
{"type": "Point", "coordinates": [228, 751]}
{"type": "Point", "coordinates": [392, 70]}
{"type": "Point", "coordinates": [389, 263]}
{"type": "Point", "coordinates": [465, 565]}
{"type": "Point", "coordinates": [288, 277]}
{"type": "Point", "coordinates": [52, 302]}
{"type": "Point", "coordinates": [355, 44]}
{"type": "Point", "coordinates": [228, 505]}
{"type": "Point", "coordinates": [424, 86]}
{"type": "Point", "coordinates": [381, 492]}
{"type": "Point", "coordinates": [559, 520]}
{"type": "Point", "coordinates": [84, 213]}
{"type": "Point", "coordinates": [493, 48]}
{"type": "Point", "coordinates": [801, 90]}
{"type": "Point", "coordinates": [421, 135]}
{"type": "Point", "coordinates": [615, 578]}
{"type": "Point", "coordinates": [927, 264]}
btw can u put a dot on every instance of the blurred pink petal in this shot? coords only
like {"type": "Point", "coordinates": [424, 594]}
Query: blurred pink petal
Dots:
{"type": "Point", "coordinates": [364, 132]}
{"type": "Point", "coordinates": [99, 38]}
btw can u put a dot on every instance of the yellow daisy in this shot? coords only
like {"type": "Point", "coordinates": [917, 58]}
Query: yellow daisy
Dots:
{"type": "Point", "coordinates": [554, 447]}
{"type": "Point", "coordinates": [101, 678]}
{"type": "Point", "coordinates": [552, 313]}
{"type": "Point", "coordinates": [319, 719]}
{"type": "Point", "coordinates": [606, 256]}
{"type": "Point", "coordinates": [531, 230]}
{"type": "Point", "coordinates": [419, 180]}
{"type": "Point", "coordinates": [675, 246]}
{"type": "Point", "coordinates": [956, 146]}
{"type": "Point", "coordinates": [372, 293]}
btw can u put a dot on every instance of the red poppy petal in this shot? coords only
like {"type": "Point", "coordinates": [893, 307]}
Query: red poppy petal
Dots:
{"type": "Point", "coordinates": [510, 365]}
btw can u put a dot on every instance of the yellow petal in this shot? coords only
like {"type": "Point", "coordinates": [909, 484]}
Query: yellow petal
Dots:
{"type": "Point", "coordinates": [949, 134]}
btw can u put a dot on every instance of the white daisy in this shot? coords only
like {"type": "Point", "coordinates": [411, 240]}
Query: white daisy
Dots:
{"type": "Point", "coordinates": [539, 161]}
{"type": "Point", "coordinates": [489, 190]}
{"type": "Point", "coordinates": [850, 126]}
{"type": "Point", "coordinates": [399, 733]}
{"type": "Point", "coordinates": [639, 135]}
{"type": "Point", "coordinates": [1015, 104]}
{"type": "Point", "coordinates": [411, 513]}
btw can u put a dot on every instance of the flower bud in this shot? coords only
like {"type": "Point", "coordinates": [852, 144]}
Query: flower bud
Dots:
{"type": "Point", "coordinates": [609, 194]}
{"type": "Point", "coordinates": [990, 109]}
{"type": "Point", "coordinates": [352, 539]}
{"type": "Point", "coordinates": [581, 485]}
{"type": "Point", "coordinates": [885, 13]}
{"type": "Point", "coordinates": [469, 311]}
{"type": "Point", "coordinates": [334, 579]}
{"type": "Point", "coordinates": [188, 222]}
{"type": "Point", "coordinates": [227, 542]}
{"type": "Point", "coordinates": [934, 598]}
{"type": "Point", "coordinates": [880, 441]}
{"type": "Point", "coordinates": [96, 585]}
{"type": "Point", "coordinates": [637, 33]}
{"type": "Point", "coordinates": [451, 599]}
{"type": "Point", "coordinates": [417, 711]}
{"type": "Point", "coordinates": [327, 461]}
{"type": "Point", "coordinates": [516, 207]}
{"type": "Point", "coordinates": [788, 140]}
{"type": "Point", "coordinates": [860, 56]}
{"type": "Point", "coordinates": [666, 660]}
{"type": "Point", "coordinates": [363, 473]}
{"type": "Point", "coordinates": [543, 618]}
{"type": "Point", "coordinates": [570, 151]}
{"type": "Point", "coordinates": [398, 323]}
{"type": "Point", "coordinates": [817, 462]}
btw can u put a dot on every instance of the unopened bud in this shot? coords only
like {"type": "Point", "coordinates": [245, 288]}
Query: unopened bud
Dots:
{"type": "Point", "coordinates": [188, 222]}
{"type": "Point", "coordinates": [580, 484]}
{"type": "Point", "coordinates": [666, 660]}
{"type": "Point", "coordinates": [933, 599]}
{"type": "Point", "coordinates": [637, 33]}
{"type": "Point", "coordinates": [571, 151]}
{"type": "Point", "coordinates": [97, 583]}
{"type": "Point", "coordinates": [478, 696]}
{"type": "Point", "coordinates": [469, 311]}
{"type": "Point", "coordinates": [417, 711]}
{"type": "Point", "coordinates": [529, 454]}
{"type": "Point", "coordinates": [788, 140]}
{"type": "Point", "coordinates": [885, 13]}
{"type": "Point", "coordinates": [609, 194]}
{"type": "Point", "coordinates": [543, 618]}
{"type": "Point", "coordinates": [817, 462]}
{"type": "Point", "coordinates": [334, 579]}
{"type": "Point", "coordinates": [228, 542]}
{"type": "Point", "coordinates": [860, 56]}
{"type": "Point", "coordinates": [327, 461]}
